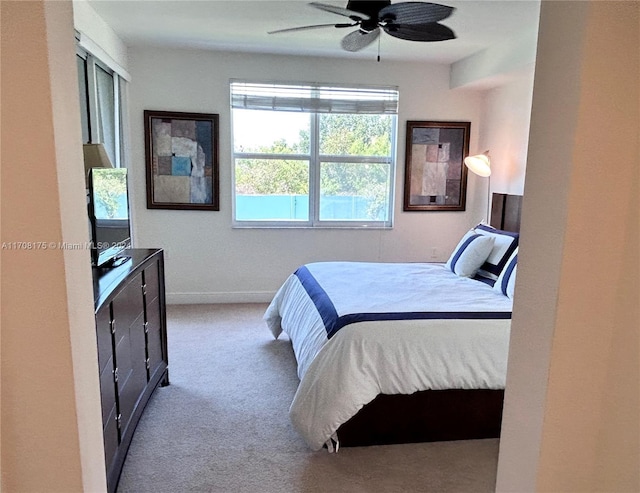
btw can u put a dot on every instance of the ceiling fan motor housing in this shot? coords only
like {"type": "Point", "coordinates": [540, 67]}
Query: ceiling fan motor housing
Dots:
{"type": "Point", "coordinates": [369, 8]}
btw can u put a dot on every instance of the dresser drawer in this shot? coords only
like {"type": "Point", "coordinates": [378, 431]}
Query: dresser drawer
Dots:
{"type": "Point", "coordinates": [111, 440]}
{"type": "Point", "coordinates": [107, 391]}
{"type": "Point", "coordinates": [154, 338]}
{"type": "Point", "coordinates": [103, 333]}
{"type": "Point", "coordinates": [128, 304]}
{"type": "Point", "coordinates": [152, 285]}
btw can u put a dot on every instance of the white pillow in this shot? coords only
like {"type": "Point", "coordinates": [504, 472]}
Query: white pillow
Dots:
{"type": "Point", "coordinates": [471, 252]}
{"type": "Point", "coordinates": [505, 243]}
{"type": "Point", "coordinates": [507, 278]}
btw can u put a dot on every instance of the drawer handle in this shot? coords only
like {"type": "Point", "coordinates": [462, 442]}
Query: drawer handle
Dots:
{"type": "Point", "coordinates": [115, 375]}
{"type": "Point", "coordinates": [112, 326]}
{"type": "Point", "coordinates": [146, 362]}
{"type": "Point", "coordinates": [144, 288]}
{"type": "Point", "coordinates": [119, 421]}
{"type": "Point", "coordinates": [146, 327]}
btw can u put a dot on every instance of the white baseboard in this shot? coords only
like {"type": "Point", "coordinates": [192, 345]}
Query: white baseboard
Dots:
{"type": "Point", "coordinates": [212, 298]}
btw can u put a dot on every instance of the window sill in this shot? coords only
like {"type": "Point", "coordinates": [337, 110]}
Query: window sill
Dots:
{"type": "Point", "coordinates": [305, 227]}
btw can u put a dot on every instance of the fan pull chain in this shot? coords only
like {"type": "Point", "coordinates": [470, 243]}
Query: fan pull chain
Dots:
{"type": "Point", "coordinates": [379, 48]}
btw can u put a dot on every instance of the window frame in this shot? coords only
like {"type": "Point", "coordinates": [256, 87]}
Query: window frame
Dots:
{"type": "Point", "coordinates": [95, 127]}
{"type": "Point", "coordinates": [316, 160]}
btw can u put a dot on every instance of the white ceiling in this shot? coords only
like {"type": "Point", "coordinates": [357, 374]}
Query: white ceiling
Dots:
{"type": "Point", "coordinates": [242, 25]}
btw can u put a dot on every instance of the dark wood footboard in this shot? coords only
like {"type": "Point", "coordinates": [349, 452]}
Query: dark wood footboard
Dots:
{"type": "Point", "coordinates": [426, 416]}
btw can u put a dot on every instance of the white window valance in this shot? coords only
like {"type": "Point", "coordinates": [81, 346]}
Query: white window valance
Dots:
{"type": "Point", "coordinates": [314, 98]}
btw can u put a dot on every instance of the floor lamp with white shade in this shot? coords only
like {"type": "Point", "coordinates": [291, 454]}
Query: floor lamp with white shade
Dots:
{"type": "Point", "coordinates": [480, 164]}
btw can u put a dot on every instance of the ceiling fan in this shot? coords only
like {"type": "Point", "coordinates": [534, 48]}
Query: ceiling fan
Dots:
{"type": "Point", "coordinates": [413, 21]}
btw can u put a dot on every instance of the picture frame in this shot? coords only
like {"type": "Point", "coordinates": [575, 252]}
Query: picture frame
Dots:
{"type": "Point", "coordinates": [182, 164]}
{"type": "Point", "coordinates": [435, 174]}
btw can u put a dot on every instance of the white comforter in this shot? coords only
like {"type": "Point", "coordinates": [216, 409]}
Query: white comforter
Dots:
{"type": "Point", "coordinates": [338, 376]}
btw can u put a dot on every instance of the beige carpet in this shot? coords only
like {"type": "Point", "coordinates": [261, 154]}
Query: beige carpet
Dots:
{"type": "Point", "coordinates": [222, 424]}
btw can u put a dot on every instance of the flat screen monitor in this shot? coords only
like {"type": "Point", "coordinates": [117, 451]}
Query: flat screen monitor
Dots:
{"type": "Point", "coordinates": [109, 216]}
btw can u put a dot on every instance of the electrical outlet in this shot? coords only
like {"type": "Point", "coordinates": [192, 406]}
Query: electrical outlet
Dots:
{"type": "Point", "coordinates": [434, 252]}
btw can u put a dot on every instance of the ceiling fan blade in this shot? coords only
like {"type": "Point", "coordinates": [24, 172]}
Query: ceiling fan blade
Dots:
{"type": "Point", "coordinates": [352, 14]}
{"type": "Point", "coordinates": [420, 32]}
{"type": "Point", "coordinates": [415, 13]}
{"type": "Point", "coordinates": [305, 28]}
{"type": "Point", "coordinates": [357, 40]}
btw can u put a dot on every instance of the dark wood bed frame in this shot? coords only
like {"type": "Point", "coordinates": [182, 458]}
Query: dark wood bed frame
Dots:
{"type": "Point", "coordinates": [435, 415]}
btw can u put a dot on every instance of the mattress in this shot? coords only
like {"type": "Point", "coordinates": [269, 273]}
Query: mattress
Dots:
{"type": "Point", "coordinates": [361, 329]}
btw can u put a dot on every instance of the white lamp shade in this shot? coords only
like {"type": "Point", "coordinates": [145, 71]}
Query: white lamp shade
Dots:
{"type": "Point", "coordinates": [479, 164]}
{"type": "Point", "coordinates": [95, 156]}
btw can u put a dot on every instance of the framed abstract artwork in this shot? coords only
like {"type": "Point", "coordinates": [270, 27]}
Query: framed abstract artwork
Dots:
{"type": "Point", "coordinates": [182, 164]}
{"type": "Point", "coordinates": [435, 174]}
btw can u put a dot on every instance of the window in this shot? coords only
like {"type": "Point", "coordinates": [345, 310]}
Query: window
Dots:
{"type": "Point", "coordinates": [100, 105]}
{"type": "Point", "coordinates": [313, 155]}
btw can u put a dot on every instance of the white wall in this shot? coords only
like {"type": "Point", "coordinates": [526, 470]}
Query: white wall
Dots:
{"type": "Point", "coordinates": [504, 131]}
{"type": "Point", "coordinates": [51, 417]}
{"type": "Point", "coordinates": [572, 396]}
{"type": "Point", "coordinates": [504, 72]}
{"type": "Point", "coordinates": [207, 260]}
{"type": "Point", "coordinates": [496, 65]}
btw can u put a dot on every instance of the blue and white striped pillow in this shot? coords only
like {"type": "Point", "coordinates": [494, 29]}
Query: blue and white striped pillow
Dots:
{"type": "Point", "coordinates": [470, 253]}
{"type": "Point", "coordinates": [506, 281]}
{"type": "Point", "coordinates": [505, 244]}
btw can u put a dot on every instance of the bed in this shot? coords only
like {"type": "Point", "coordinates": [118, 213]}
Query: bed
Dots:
{"type": "Point", "coordinates": [401, 352]}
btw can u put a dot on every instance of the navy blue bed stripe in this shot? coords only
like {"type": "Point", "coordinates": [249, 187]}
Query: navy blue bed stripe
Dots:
{"type": "Point", "coordinates": [319, 297]}
{"type": "Point", "coordinates": [507, 275]}
{"type": "Point", "coordinates": [497, 269]}
{"type": "Point", "coordinates": [333, 323]}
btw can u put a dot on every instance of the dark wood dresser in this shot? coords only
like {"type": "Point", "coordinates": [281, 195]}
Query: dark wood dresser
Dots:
{"type": "Point", "coordinates": [132, 347]}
